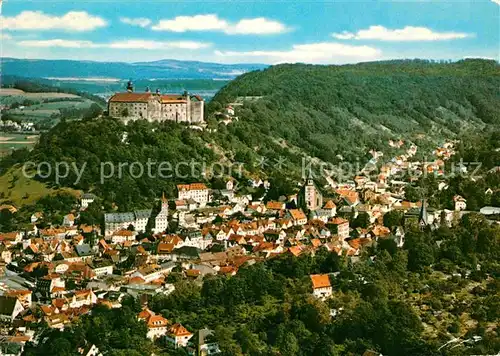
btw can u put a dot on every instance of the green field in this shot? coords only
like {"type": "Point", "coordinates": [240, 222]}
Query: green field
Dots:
{"type": "Point", "coordinates": [43, 109]}
{"type": "Point", "coordinates": [14, 141]}
{"type": "Point", "coordinates": [18, 190]}
{"type": "Point", "coordinates": [46, 110]}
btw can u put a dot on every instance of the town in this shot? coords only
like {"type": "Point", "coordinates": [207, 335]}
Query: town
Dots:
{"type": "Point", "coordinates": [56, 274]}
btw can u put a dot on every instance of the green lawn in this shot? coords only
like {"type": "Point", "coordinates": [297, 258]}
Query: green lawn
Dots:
{"type": "Point", "coordinates": [19, 190]}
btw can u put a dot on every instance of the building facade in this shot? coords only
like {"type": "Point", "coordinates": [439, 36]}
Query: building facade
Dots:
{"type": "Point", "coordinates": [310, 196]}
{"type": "Point", "coordinates": [157, 107]}
{"type": "Point", "coordinates": [161, 220]}
{"type": "Point", "coordinates": [196, 191]}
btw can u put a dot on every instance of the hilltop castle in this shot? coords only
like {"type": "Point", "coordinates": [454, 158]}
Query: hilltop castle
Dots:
{"type": "Point", "coordinates": [132, 105]}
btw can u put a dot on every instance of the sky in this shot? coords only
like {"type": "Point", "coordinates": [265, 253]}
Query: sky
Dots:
{"type": "Point", "coordinates": [244, 31]}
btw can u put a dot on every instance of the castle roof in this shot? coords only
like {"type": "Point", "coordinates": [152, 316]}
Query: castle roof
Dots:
{"type": "Point", "coordinates": [131, 97]}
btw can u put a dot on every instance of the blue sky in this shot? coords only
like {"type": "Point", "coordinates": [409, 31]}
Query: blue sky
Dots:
{"type": "Point", "coordinates": [250, 31]}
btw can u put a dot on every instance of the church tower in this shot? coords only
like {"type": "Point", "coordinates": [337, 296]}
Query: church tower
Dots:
{"type": "Point", "coordinates": [422, 217]}
{"type": "Point", "coordinates": [161, 220]}
{"type": "Point", "coordinates": [310, 197]}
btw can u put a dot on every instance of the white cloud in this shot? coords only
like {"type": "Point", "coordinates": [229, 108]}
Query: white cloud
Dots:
{"type": "Point", "coordinates": [408, 33]}
{"type": "Point", "coordinates": [129, 44]}
{"type": "Point", "coordinates": [208, 22]}
{"type": "Point", "coordinates": [58, 43]}
{"type": "Point", "coordinates": [323, 52]}
{"type": "Point", "coordinates": [37, 20]}
{"type": "Point", "coordinates": [211, 22]}
{"type": "Point", "coordinates": [496, 2]}
{"type": "Point", "coordinates": [140, 21]}
{"type": "Point", "coordinates": [258, 26]}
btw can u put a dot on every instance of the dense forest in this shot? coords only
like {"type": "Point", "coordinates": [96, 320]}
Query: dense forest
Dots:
{"type": "Point", "coordinates": [347, 110]}
{"type": "Point", "coordinates": [442, 284]}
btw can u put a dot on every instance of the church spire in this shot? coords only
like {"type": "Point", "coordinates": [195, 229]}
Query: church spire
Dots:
{"type": "Point", "coordinates": [422, 217]}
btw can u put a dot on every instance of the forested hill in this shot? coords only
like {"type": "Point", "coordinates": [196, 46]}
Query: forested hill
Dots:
{"type": "Point", "coordinates": [327, 110]}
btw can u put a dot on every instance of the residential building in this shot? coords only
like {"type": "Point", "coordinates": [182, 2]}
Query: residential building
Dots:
{"type": "Point", "coordinates": [10, 307]}
{"type": "Point", "coordinates": [157, 324]}
{"type": "Point", "coordinates": [196, 191]}
{"type": "Point", "coordinates": [86, 200]}
{"type": "Point", "coordinates": [339, 227]}
{"type": "Point", "coordinates": [199, 345]}
{"type": "Point", "coordinates": [321, 285]}
{"type": "Point", "coordinates": [460, 203]}
{"type": "Point", "coordinates": [178, 335]}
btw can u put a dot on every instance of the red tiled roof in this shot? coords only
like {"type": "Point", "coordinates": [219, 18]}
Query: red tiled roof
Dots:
{"type": "Point", "coordinates": [192, 186]}
{"type": "Point", "coordinates": [297, 214]}
{"type": "Point", "coordinates": [131, 98]}
{"type": "Point", "coordinates": [179, 330]}
{"type": "Point", "coordinates": [274, 205]}
{"type": "Point", "coordinates": [329, 205]}
{"type": "Point", "coordinates": [338, 221]}
{"type": "Point", "coordinates": [320, 280]}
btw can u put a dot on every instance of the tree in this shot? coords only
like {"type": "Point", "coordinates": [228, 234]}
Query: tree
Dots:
{"type": "Point", "coordinates": [419, 256]}
{"type": "Point", "coordinates": [362, 220]}
{"type": "Point", "coordinates": [287, 342]}
{"type": "Point", "coordinates": [392, 218]}
{"type": "Point", "coordinates": [412, 193]}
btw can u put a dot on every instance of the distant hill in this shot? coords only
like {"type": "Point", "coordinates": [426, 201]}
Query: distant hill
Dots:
{"type": "Point", "coordinates": [349, 109]}
{"type": "Point", "coordinates": [163, 69]}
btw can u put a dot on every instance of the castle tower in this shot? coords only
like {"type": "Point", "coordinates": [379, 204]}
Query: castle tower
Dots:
{"type": "Point", "coordinates": [130, 86]}
{"type": "Point", "coordinates": [161, 220]}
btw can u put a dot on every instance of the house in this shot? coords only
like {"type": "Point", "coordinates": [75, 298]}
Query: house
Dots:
{"type": "Point", "coordinates": [49, 283]}
{"type": "Point", "coordinates": [460, 203]}
{"type": "Point", "coordinates": [339, 227]}
{"type": "Point", "coordinates": [350, 197]}
{"type": "Point", "coordinates": [200, 346]}
{"type": "Point", "coordinates": [122, 236]}
{"type": "Point", "coordinates": [36, 217]}
{"type": "Point", "coordinates": [157, 324]}
{"type": "Point", "coordinates": [10, 307]}
{"type": "Point", "coordinates": [275, 205]}
{"type": "Point", "coordinates": [322, 287]}
{"type": "Point", "coordinates": [331, 207]}
{"type": "Point", "coordinates": [86, 200]}
{"type": "Point", "coordinates": [23, 295]}
{"type": "Point", "coordinates": [102, 268]}
{"type": "Point", "coordinates": [89, 350]}
{"type": "Point", "coordinates": [178, 335]}
{"type": "Point", "coordinates": [69, 220]}
{"type": "Point", "coordinates": [196, 191]}
{"type": "Point", "coordinates": [81, 298]}
{"type": "Point", "coordinates": [12, 237]}
{"type": "Point", "coordinates": [489, 210]}
{"type": "Point", "coordinates": [298, 217]}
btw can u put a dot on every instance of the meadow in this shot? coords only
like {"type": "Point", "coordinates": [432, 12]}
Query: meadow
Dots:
{"type": "Point", "coordinates": [13, 141]}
